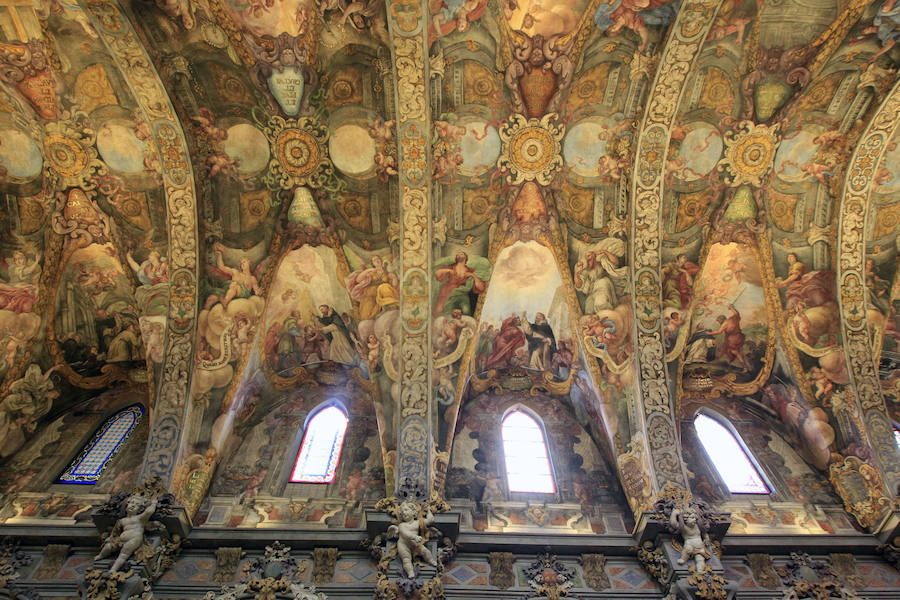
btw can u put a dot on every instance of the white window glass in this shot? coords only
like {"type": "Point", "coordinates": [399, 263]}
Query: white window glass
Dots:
{"type": "Point", "coordinates": [527, 462]}
{"type": "Point", "coordinates": [321, 447]}
{"type": "Point", "coordinates": [729, 457]}
{"type": "Point", "coordinates": [897, 437]}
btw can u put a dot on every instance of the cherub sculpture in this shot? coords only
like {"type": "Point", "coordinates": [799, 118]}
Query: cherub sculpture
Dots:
{"type": "Point", "coordinates": [410, 542]}
{"type": "Point", "coordinates": [129, 531]}
{"type": "Point", "coordinates": [695, 540]}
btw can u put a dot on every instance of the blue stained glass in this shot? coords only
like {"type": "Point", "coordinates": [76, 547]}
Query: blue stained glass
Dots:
{"type": "Point", "coordinates": [108, 440]}
{"type": "Point", "coordinates": [321, 447]}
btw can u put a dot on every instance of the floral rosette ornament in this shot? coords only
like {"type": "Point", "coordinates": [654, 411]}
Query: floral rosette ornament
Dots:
{"type": "Point", "coordinates": [299, 154]}
{"type": "Point", "coordinates": [530, 148]}
{"type": "Point", "coordinates": [70, 154]}
{"type": "Point", "coordinates": [749, 153]}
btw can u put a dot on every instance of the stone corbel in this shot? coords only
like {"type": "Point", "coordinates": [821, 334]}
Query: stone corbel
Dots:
{"type": "Point", "coordinates": [679, 545]}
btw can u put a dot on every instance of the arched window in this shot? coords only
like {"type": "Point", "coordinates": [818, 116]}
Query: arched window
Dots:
{"type": "Point", "coordinates": [321, 447]}
{"type": "Point", "coordinates": [527, 460]}
{"type": "Point", "coordinates": [729, 457]}
{"type": "Point", "coordinates": [107, 441]}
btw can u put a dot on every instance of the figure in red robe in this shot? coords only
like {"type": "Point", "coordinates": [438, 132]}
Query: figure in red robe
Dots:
{"type": "Point", "coordinates": [510, 339]}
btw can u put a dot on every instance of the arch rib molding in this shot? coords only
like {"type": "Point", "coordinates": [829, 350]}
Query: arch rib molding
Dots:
{"type": "Point", "coordinates": [685, 41]}
{"type": "Point", "coordinates": [854, 214]}
{"type": "Point", "coordinates": [168, 410]}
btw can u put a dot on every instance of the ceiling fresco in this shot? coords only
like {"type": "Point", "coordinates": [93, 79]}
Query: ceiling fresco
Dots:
{"type": "Point", "coordinates": [624, 210]}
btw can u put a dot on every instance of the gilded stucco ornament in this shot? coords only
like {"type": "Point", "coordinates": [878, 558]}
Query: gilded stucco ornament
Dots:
{"type": "Point", "coordinates": [805, 578]}
{"type": "Point", "coordinates": [299, 153]}
{"type": "Point", "coordinates": [549, 578]}
{"type": "Point", "coordinates": [181, 220]}
{"type": "Point", "coordinates": [421, 569]}
{"type": "Point", "coordinates": [861, 487]}
{"type": "Point", "coordinates": [530, 148]}
{"type": "Point", "coordinates": [70, 152]}
{"type": "Point", "coordinates": [749, 153]}
{"type": "Point", "coordinates": [685, 39]}
{"type": "Point", "coordinates": [11, 560]}
{"type": "Point", "coordinates": [867, 161]}
{"type": "Point", "coordinates": [275, 575]}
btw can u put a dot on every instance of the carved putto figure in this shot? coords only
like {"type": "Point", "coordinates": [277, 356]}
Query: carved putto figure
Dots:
{"type": "Point", "coordinates": [410, 542]}
{"type": "Point", "coordinates": [695, 540]}
{"type": "Point", "coordinates": [128, 534]}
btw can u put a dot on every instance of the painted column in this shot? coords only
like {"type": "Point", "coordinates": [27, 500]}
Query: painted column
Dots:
{"type": "Point", "coordinates": [656, 404]}
{"type": "Point", "coordinates": [408, 25]}
{"type": "Point", "coordinates": [168, 413]}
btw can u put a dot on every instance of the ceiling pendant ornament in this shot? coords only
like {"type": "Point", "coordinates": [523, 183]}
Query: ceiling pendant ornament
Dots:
{"type": "Point", "coordinates": [530, 148]}
{"type": "Point", "coordinates": [70, 153]}
{"type": "Point", "coordinates": [749, 153]}
{"type": "Point", "coordinates": [299, 153]}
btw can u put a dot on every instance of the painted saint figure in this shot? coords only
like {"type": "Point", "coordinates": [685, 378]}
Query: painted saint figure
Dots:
{"type": "Point", "coordinates": [455, 285]}
{"type": "Point", "coordinates": [335, 331]}
{"type": "Point", "coordinates": [375, 288]}
{"type": "Point", "coordinates": [733, 343]}
{"type": "Point", "coordinates": [541, 342]}
{"type": "Point", "coordinates": [678, 281]}
{"type": "Point", "coordinates": [508, 340]}
{"type": "Point", "coordinates": [592, 279]}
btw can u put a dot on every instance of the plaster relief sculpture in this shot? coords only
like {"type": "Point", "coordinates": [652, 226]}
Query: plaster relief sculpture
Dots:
{"type": "Point", "coordinates": [695, 540]}
{"type": "Point", "coordinates": [410, 542]}
{"type": "Point", "coordinates": [128, 534]}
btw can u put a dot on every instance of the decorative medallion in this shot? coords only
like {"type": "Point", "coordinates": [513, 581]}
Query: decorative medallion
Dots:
{"type": "Point", "coordinates": [69, 153]}
{"type": "Point", "coordinates": [299, 154]}
{"type": "Point", "coordinates": [749, 152]}
{"type": "Point", "coordinates": [861, 487]}
{"type": "Point", "coordinates": [530, 148]}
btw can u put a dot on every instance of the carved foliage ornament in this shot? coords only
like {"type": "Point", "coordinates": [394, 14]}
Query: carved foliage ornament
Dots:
{"type": "Point", "coordinates": [273, 576]}
{"type": "Point", "coordinates": [808, 579]}
{"type": "Point", "coordinates": [530, 148]}
{"type": "Point", "coordinates": [549, 578]}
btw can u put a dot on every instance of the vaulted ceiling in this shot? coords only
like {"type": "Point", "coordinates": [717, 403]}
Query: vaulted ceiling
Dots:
{"type": "Point", "coordinates": [636, 209]}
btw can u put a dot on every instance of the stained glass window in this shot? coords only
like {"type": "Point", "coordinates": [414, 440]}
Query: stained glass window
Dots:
{"type": "Point", "coordinates": [321, 447]}
{"type": "Point", "coordinates": [107, 441]}
{"type": "Point", "coordinates": [527, 461]}
{"type": "Point", "coordinates": [729, 457]}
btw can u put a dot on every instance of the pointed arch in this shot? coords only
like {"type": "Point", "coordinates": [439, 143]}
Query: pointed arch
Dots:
{"type": "Point", "coordinates": [106, 442]}
{"type": "Point", "coordinates": [525, 453]}
{"type": "Point", "coordinates": [729, 455]}
{"type": "Point", "coordinates": [320, 451]}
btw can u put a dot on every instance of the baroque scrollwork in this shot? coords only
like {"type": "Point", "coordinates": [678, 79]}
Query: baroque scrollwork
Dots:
{"type": "Point", "coordinates": [274, 575]}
